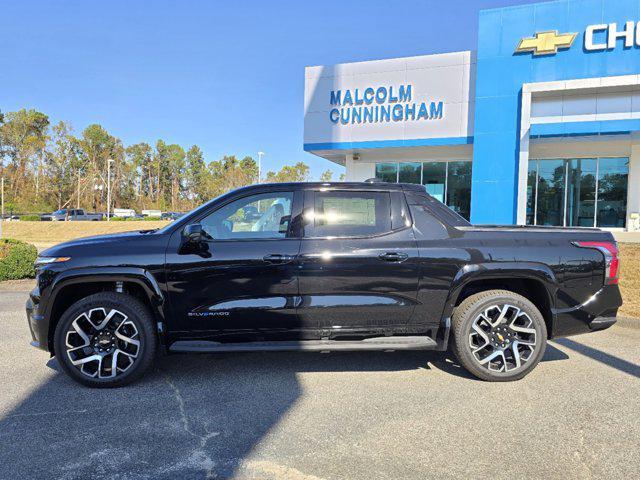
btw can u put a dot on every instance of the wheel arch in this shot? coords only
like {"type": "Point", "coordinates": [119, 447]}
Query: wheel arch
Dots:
{"type": "Point", "coordinates": [75, 285]}
{"type": "Point", "coordinates": [536, 282]}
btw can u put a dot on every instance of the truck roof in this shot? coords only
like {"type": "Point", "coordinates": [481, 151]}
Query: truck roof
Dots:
{"type": "Point", "coordinates": [369, 185]}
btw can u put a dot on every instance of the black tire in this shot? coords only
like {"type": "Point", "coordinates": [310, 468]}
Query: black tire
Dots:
{"type": "Point", "coordinates": [138, 320]}
{"type": "Point", "coordinates": [474, 309]}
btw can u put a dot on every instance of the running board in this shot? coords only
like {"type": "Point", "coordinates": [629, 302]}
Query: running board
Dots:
{"type": "Point", "coordinates": [376, 343]}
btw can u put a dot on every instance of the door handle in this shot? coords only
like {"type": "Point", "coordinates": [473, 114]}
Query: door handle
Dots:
{"type": "Point", "coordinates": [277, 258]}
{"type": "Point", "coordinates": [393, 257]}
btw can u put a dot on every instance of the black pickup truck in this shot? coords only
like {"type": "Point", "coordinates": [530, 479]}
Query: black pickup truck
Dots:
{"type": "Point", "coordinates": [321, 267]}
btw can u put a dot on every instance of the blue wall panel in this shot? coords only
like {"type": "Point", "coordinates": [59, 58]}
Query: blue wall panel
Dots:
{"type": "Point", "coordinates": [501, 74]}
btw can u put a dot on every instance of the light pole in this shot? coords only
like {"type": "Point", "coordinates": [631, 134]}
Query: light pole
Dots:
{"type": "Point", "coordinates": [109, 162]}
{"type": "Point", "coordinates": [260, 155]}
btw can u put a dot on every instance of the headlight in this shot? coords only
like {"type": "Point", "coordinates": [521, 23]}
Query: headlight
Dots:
{"type": "Point", "coordinates": [48, 260]}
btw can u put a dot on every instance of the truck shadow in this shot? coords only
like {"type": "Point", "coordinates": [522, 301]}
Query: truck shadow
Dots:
{"type": "Point", "coordinates": [192, 416]}
{"type": "Point", "coordinates": [602, 357]}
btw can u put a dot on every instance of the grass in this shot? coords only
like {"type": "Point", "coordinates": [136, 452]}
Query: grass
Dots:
{"type": "Point", "coordinates": [46, 234]}
{"type": "Point", "coordinates": [630, 279]}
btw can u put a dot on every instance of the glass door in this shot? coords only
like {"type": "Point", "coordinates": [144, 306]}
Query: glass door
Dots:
{"type": "Point", "coordinates": [578, 192]}
{"type": "Point", "coordinates": [581, 192]}
{"type": "Point", "coordinates": [613, 181]}
{"type": "Point", "coordinates": [551, 184]}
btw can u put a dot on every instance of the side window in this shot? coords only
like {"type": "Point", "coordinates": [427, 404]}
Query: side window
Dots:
{"type": "Point", "coordinates": [265, 215]}
{"type": "Point", "coordinates": [350, 214]}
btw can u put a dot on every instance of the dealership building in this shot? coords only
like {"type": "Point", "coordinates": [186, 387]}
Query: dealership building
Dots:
{"type": "Point", "coordinates": [540, 125]}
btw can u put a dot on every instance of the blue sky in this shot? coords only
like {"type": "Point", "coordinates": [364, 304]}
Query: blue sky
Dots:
{"type": "Point", "coordinates": [225, 75]}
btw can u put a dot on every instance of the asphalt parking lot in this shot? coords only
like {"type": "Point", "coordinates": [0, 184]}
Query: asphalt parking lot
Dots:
{"type": "Point", "coordinates": [309, 416]}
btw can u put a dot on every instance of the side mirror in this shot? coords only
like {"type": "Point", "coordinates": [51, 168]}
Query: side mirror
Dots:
{"type": "Point", "coordinates": [285, 220]}
{"type": "Point", "coordinates": [193, 233]}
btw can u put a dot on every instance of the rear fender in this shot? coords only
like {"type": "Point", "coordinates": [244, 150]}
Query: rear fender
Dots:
{"type": "Point", "coordinates": [501, 271]}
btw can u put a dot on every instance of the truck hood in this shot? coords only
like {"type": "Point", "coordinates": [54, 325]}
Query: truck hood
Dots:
{"type": "Point", "coordinates": [66, 248]}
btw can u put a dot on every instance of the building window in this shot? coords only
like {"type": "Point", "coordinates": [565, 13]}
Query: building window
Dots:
{"type": "Point", "coordinates": [581, 192]}
{"type": "Point", "coordinates": [551, 182]}
{"type": "Point", "coordinates": [387, 172]}
{"type": "Point", "coordinates": [459, 188]}
{"type": "Point", "coordinates": [446, 181]}
{"type": "Point", "coordinates": [434, 179]}
{"type": "Point", "coordinates": [613, 180]}
{"type": "Point", "coordinates": [532, 191]}
{"type": "Point", "coordinates": [410, 173]}
{"type": "Point", "coordinates": [578, 192]}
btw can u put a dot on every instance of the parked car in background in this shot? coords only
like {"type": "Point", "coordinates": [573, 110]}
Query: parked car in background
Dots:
{"type": "Point", "coordinates": [124, 212]}
{"type": "Point", "coordinates": [151, 213]}
{"type": "Point", "coordinates": [171, 215]}
{"type": "Point", "coordinates": [71, 214]}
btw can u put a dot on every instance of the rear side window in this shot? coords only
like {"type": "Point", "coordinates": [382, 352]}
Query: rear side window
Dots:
{"type": "Point", "coordinates": [443, 212]}
{"type": "Point", "coordinates": [349, 214]}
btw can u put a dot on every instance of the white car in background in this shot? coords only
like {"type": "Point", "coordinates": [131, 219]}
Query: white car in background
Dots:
{"type": "Point", "coordinates": [72, 214]}
{"type": "Point", "coordinates": [124, 212]}
{"type": "Point", "coordinates": [151, 213]}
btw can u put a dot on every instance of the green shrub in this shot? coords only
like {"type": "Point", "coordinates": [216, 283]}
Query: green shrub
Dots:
{"type": "Point", "coordinates": [29, 218]}
{"type": "Point", "coordinates": [16, 259]}
{"type": "Point", "coordinates": [152, 219]}
{"type": "Point", "coordinates": [117, 219]}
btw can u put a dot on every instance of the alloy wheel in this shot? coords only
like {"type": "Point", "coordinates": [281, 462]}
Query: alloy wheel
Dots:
{"type": "Point", "coordinates": [102, 343]}
{"type": "Point", "coordinates": [503, 338]}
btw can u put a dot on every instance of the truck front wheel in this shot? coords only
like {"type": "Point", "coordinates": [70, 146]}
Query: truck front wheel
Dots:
{"type": "Point", "coordinates": [105, 340]}
{"type": "Point", "coordinates": [499, 336]}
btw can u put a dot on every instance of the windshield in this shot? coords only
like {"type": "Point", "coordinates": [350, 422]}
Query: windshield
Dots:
{"type": "Point", "coordinates": [60, 212]}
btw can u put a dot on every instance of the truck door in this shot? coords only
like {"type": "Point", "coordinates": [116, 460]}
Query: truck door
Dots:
{"type": "Point", "coordinates": [241, 282]}
{"type": "Point", "coordinates": [358, 262]}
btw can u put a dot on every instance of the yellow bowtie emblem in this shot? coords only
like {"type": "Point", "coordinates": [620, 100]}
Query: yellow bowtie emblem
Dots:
{"type": "Point", "coordinates": [546, 43]}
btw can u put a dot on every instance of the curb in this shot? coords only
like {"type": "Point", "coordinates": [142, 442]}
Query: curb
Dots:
{"type": "Point", "coordinates": [628, 322]}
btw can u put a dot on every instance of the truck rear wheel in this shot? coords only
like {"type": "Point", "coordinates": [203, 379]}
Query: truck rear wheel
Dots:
{"type": "Point", "coordinates": [498, 335]}
{"type": "Point", "coordinates": [105, 340]}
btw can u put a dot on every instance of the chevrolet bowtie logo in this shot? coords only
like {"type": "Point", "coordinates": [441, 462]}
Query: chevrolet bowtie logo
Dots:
{"type": "Point", "coordinates": [545, 43]}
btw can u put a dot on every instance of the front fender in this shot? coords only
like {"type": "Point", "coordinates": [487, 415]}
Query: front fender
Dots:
{"type": "Point", "coordinates": [136, 275]}
{"type": "Point", "coordinates": [501, 271]}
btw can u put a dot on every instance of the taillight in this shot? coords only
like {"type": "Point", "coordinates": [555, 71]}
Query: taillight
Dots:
{"type": "Point", "coordinates": [611, 260]}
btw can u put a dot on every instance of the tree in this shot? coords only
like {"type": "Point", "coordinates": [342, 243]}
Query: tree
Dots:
{"type": "Point", "coordinates": [326, 176]}
{"type": "Point", "coordinates": [229, 173]}
{"type": "Point", "coordinates": [140, 156]}
{"type": "Point", "coordinates": [62, 160]}
{"type": "Point", "coordinates": [48, 167]}
{"type": "Point", "coordinates": [176, 167]}
{"type": "Point", "coordinates": [23, 136]}
{"type": "Point", "coordinates": [198, 177]}
{"type": "Point", "coordinates": [97, 147]}
{"type": "Point", "coordinates": [296, 173]}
